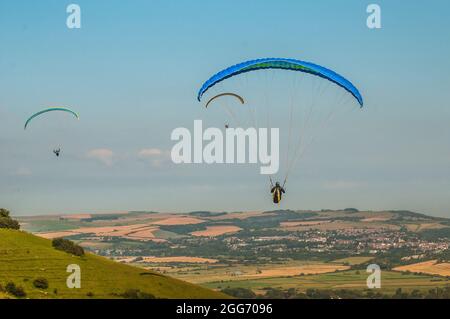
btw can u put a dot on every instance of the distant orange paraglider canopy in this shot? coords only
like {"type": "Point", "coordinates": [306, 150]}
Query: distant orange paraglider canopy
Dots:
{"type": "Point", "coordinates": [225, 94]}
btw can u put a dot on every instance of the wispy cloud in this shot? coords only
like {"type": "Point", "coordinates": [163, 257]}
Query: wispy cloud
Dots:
{"type": "Point", "coordinates": [155, 156]}
{"type": "Point", "coordinates": [23, 171]}
{"type": "Point", "coordinates": [150, 152]}
{"type": "Point", "coordinates": [103, 155]}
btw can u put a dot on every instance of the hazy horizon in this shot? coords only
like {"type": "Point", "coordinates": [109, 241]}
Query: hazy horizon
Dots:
{"type": "Point", "coordinates": [187, 212]}
{"type": "Point", "coordinates": [133, 72]}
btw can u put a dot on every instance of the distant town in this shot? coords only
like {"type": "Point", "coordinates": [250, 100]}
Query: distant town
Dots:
{"type": "Point", "coordinates": [273, 249]}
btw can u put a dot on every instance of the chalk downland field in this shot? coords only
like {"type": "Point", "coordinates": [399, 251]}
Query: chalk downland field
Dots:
{"type": "Point", "coordinates": [214, 231]}
{"type": "Point", "coordinates": [206, 274]}
{"type": "Point", "coordinates": [179, 221]}
{"type": "Point", "coordinates": [138, 232]}
{"type": "Point", "coordinates": [168, 260]}
{"type": "Point", "coordinates": [353, 260]}
{"type": "Point", "coordinates": [328, 225]}
{"type": "Point", "coordinates": [280, 249]}
{"type": "Point", "coordinates": [351, 279]}
{"type": "Point", "coordinates": [25, 257]}
{"type": "Point", "coordinates": [431, 267]}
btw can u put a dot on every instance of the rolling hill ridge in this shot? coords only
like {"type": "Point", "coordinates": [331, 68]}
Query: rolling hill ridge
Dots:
{"type": "Point", "coordinates": [25, 258]}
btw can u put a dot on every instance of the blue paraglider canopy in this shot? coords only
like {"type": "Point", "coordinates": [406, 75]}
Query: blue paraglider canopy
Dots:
{"type": "Point", "coordinates": [285, 64]}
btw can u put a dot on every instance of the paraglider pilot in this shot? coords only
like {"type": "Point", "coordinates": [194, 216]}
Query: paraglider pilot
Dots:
{"type": "Point", "coordinates": [277, 192]}
{"type": "Point", "coordinates": [57, 151]}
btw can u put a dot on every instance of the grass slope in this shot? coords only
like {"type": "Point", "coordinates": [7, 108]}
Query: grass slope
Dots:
{"type": "Point", "coordinates": [390, 282]}
{"type": "Point", "coordinates": [25, 257]}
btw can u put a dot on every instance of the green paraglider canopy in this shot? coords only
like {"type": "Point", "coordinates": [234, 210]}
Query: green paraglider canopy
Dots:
{"type": "Point", "coordinates": [225, 94]}
{"type": "Point", "coordinates": [51, 109]}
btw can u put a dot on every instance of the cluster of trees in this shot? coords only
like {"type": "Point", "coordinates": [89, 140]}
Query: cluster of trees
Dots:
{"type": "Point", "coordinates": [19, 292]}
{"type": "Point", "coordinates": [351, 210]}
{"type": "Point", "coordinates": [136, 294]}
{"type": "Point", "coordinates": [12, 289]}
{"type": "Point", "coordinates": [6, 221]}
{"type": "Point", "coordinates": [241, 293]}
{"type": "Point", "coordinates": [68, 246]}
{"type": "Point", "coordinates": [435, 234]}
{"type": "Point", "coordinates": [40, 283]}
{"type": "Point", "coordinates": [206, 213]}
{"type": "Point", "coordinates": [274, 293]}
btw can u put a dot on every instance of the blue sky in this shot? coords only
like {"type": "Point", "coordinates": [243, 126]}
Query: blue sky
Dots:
{"type": "Point", "coordinates": [133, 70]}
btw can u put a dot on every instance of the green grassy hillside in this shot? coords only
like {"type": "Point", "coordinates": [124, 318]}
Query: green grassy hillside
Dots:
{"type": "Point", "coordinates": [25, 257]}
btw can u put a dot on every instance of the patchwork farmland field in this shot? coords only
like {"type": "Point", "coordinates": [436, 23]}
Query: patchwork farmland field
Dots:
{"type": "Point", "coordinates": [391, 281]}
{"type": "Point", "coordinates": [432, 267]}
{"type": "Point", "coordinates": [298, 250]}
{"type": "Point", "coordinates": [214, 231]}
{"type": "Point", "coordinates": [248, 272]}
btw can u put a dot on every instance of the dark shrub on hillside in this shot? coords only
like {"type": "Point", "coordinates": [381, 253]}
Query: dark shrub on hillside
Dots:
{"type": "Point", "coordinates": [40, 283]}
{"type": "Point", "coordinates": [14, 290]}
{"type": "Point", "coordinates": [242, 293]}
{"type": "Point", "coordinates": [67, 246]}
{"type": "Point", "coordinates": [6, 221]}
{"type": "Point", "coordinates": [136, 294]}
{"type": "Point", "coordinates": [4, 212]}
{"type": "Point", "coordinates": [274, 293]}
